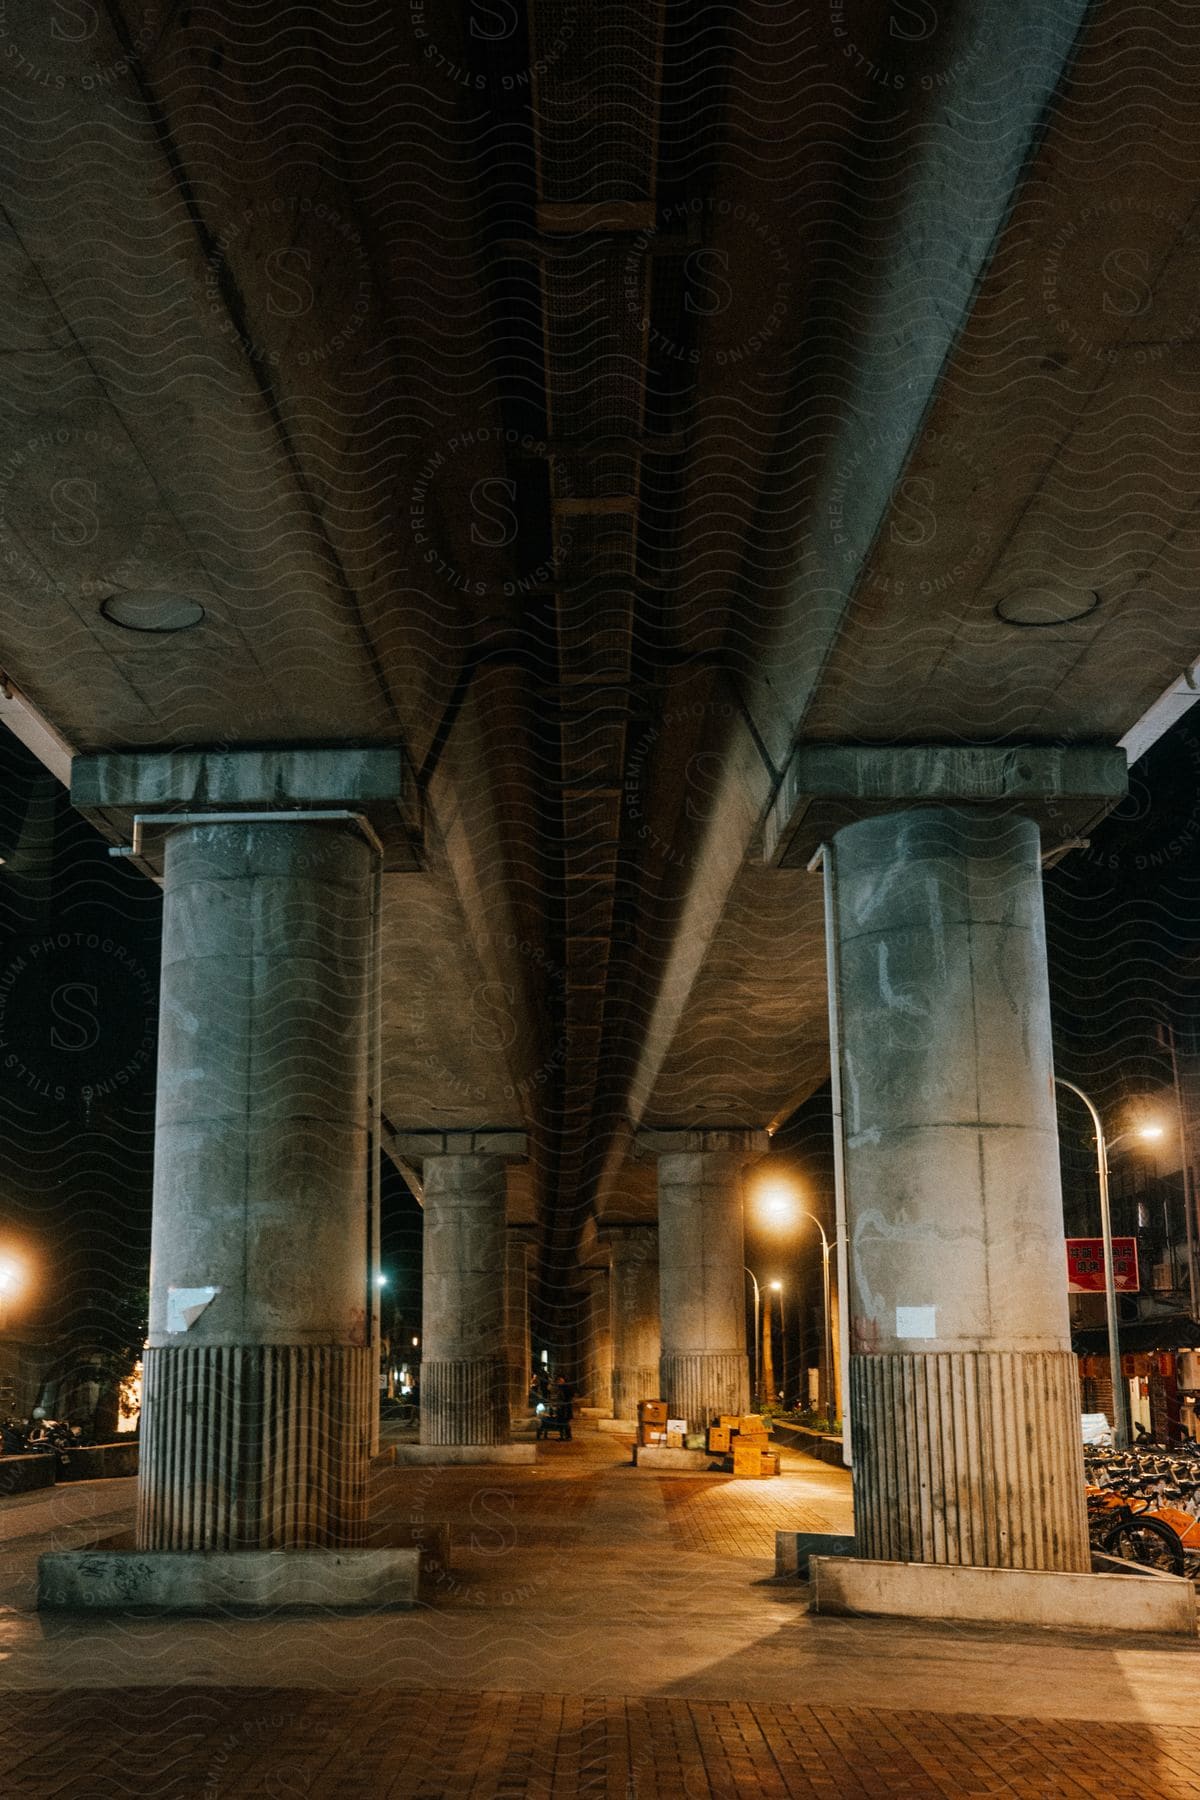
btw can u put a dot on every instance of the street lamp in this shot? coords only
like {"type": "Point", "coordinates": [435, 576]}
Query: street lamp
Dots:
{"type": "Point", "coordinates": [777, 1287]}
{"type": "Point", "coordinates": [776, 1205]}
{"type": "Point", "coordinates": [1147, 1132]}
{"type": "Point", "coordinates": [1189, 1197]}
{"type": "Point", "coordinates": [827, 1375]}
{"type": "Point", "coordinates": [757, 1345]}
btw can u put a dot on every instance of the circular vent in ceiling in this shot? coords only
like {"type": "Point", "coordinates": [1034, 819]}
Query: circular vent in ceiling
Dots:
{"type": "Point", "coordinates": [1036, 607]}
{"type": "Point", "coordinates": [146, 609]}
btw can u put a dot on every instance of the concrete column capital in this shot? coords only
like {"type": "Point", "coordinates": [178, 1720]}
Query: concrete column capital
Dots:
{"type": "Point", "coordinates": [630, 1243]}
{"type": "Point", "coordinates": [746, 1145]}
{"type": "Point", "coordinates": [427, 1146]}
{"type": "Point", "coordinates": [137, 798]}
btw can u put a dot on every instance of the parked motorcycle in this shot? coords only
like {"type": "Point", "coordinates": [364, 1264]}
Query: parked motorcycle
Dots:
{"type": "Point", "coordinates": [50, 1437]}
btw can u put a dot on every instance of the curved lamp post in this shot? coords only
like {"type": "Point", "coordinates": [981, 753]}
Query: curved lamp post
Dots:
{"type": "Point", "coordinates": [827, 1376]}
{"type": "Point", "coordinates": [757, 1344]}
{"type": "Point", "coordinates": [1119, 1390]}
{"type": "Point", "coordinates": [782, 1202]}
{"type": "Point", "coordinates": [777, 1288]}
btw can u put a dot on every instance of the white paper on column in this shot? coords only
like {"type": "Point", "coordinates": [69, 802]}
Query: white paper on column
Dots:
{"type": "Point", "coordinates": [916, 1321]}
{"type": "Point", "coordinates": [184, 1305]}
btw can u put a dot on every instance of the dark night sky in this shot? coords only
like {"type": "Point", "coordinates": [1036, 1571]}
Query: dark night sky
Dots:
{"type": "Point", "coordinates": [79, 936]}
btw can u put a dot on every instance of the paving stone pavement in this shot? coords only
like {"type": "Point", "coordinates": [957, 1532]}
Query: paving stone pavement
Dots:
{"type": "Point", "coordinates": [391, 1744]}
{"type": "Point", "coordinates": [742, 1521]}
{"type": "Point", "coordinates": [602, 1631]}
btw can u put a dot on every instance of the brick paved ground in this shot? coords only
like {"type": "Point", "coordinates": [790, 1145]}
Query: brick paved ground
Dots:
{"type": "Point", "coordinates": [742, 1519]}
{"type": "Point", "coordinates": [393, 1745]}
{"type": "Point", "coordinates": [603, 1631]}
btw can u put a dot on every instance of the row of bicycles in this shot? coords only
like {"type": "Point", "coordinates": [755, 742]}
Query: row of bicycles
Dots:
{"type": "Point", "coordinates": [1144, 1505]}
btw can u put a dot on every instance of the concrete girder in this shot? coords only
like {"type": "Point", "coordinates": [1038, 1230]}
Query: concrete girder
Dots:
{"type": "Point", "coordinates": [232, 451]}
{"type": "Point", "coordinates": [936, 233]}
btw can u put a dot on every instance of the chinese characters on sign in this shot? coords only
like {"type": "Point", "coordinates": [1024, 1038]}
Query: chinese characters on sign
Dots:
{"type": "Point", "coordinates": [1085, 1265]}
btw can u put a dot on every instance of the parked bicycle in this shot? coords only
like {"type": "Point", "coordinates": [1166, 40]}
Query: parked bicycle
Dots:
{"type": "Point", "coordinates": [1144, 1506]}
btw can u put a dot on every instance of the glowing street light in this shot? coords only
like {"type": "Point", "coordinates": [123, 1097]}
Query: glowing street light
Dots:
{"type": "Point", "coordinates": [775, 1204]}
{"type": "Point", "coordinates": [12, 1276]}
{"type": "Point", "coordinates": [381, 1281]}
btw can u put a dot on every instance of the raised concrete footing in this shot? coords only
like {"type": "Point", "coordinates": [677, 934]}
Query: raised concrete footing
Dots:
{"type": "Point", "coordinates": [628, 1426]}
{"type": "Point", "coordinates": [224, 1581]}
{"type": "Point", "coordinates": [101, 1462]}
{"type": "Point", "coordinates": [425, 1454]}
{"type": "Point", "coordinates": [658, 1456]}
{"type": "Point", "coordinates": [1044, 1597]}
{"type": "Point", "coordinates": [793, 1550]}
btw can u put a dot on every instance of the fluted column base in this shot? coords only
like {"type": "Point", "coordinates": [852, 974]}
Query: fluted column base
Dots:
{"type": "Point", "coordinates": [254, 1447]}
{"type": "Point", "coordinates": [631, 1385]}
{"type": "Point", "coordinates": [973, 1458]}
{"type": "Point", "coordinates": [464, 1400]}
{"type": "Point", "coordinates": [697, 1385]}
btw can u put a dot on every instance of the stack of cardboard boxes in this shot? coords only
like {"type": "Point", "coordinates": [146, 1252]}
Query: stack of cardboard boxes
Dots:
{"type": "Point", "coordinates": [652, 1422]}
{"type": "Point", "coordinates": [744, 1440]}
{"type": "Point", "coordinates": [741, 1439]}
{"type": "Point", "coordinates": [655, 1426]}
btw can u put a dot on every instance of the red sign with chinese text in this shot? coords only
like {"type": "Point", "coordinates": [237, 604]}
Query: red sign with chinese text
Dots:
{"type": "Point", "coordinates": [1085, 1265]}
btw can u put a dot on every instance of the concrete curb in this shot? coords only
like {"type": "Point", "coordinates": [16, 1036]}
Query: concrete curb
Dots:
{"type": "Point", "coordinates": [826, 1449]}
{"type": "Point", "coordinates": [101, 1462]}
{"type": "Point", "coordinates": [451, 1455]}
{"type": "Point", "coordinates": [1050, 1598]}
{"type": "Point", "coordinates": [25, 1474]}
{"type": "Point", "coordinates": [176, 1581]}
{"type": "Point", "coordinates": [793, 1550]}
{"type": "Point", "coordinates": [658, 1458]}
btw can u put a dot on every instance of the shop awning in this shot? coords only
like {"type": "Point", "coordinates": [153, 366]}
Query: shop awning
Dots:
{"type": "Point", "coordinates": [1173, 1331]}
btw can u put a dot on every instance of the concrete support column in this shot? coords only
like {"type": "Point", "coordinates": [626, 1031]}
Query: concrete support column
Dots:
{"type": "Point", "coordinates": [636, 1339]}
{"type": "Point", "coordinates": [259, 1383]}
{"type": "Point", "coordinates": [464, 1362]}
{"type": "Point", "coordinates": [518, 1337]}
{"type": "Point", "coordinates": [596, 1342]}
{"type": "Point", "coordinates": [703, 1365]}
{"type": "Point", "coordinates": [963, 1390]}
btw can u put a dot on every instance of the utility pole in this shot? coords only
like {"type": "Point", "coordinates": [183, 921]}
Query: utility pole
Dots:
{"type": "Point", "coordinates": [767, 1382]}
{"type": "Point", "coordinates": [1189, 1194]}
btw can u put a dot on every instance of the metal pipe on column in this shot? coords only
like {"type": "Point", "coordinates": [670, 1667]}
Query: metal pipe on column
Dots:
{"type": "Point", "coordinates": [1189, 1192]}
{"type": "Point", "coordinates": [824, 861]}
{"type": "Point", "coordinates": [375, 1172]}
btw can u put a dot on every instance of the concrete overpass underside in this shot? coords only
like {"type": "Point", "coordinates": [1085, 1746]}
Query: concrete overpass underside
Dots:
{"type": "Point", "coordinates": [613, 456]}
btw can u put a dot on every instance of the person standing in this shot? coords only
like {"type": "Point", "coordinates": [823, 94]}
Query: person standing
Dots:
{"type": "Point", "coordinates": [564, 1395]}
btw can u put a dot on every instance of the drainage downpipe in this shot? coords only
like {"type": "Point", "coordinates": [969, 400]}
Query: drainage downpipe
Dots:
{"type": "Point", "coordinates": [823, 861]}
{"type": "Point", "coordinates": [375, 1172]}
